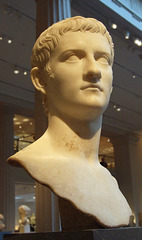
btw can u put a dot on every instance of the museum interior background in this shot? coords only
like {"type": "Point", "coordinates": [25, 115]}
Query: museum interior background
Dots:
{"type": "Point", "coordinates": [121, 140]}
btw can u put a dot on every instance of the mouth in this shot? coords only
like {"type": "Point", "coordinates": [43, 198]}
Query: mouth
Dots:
{"type": "Point", "coordinates": [92, 87]}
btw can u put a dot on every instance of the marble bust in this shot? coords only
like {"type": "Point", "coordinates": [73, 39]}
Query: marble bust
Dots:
{"type": "Point", "coordinates": [72, 68]}
{"type": "Point", "coordinates": [24, 225]}
{"type": "Point", "coordinates": [2, 225]}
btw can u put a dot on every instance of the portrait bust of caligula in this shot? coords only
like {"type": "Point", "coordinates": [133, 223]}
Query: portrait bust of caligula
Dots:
{"type": "Point", "coordinates": [72, 68]}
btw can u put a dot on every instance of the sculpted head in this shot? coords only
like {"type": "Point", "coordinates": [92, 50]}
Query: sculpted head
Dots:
{"type": "Point", "coordinates": [24, 211]}
{"type": "Point", "coordinates": [50, 39]}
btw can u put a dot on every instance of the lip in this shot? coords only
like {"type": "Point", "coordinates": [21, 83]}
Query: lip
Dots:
{"type": "Point", "coordinates": [92, 86]}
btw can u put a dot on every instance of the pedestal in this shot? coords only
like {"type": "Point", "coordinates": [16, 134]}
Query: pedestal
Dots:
{"type": "Point", "coordinates": [24, 228]}
{"type": "Point", "coordinates": [98, 234]}
{"type": "Point", "coordinates": [4, 233]}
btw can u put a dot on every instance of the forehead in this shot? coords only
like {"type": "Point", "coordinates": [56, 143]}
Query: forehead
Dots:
{"type": "Point", "coordinates": [83, 40]}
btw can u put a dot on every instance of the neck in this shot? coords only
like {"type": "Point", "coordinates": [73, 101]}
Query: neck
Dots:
{"type": "Point", "coordinates": [75, 138]}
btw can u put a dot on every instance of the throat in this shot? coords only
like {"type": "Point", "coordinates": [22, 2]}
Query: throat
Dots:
{"type": "Point", "coordinates": [78, 140]}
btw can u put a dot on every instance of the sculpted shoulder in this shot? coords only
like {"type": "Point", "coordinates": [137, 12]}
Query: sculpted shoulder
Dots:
{"type": "Point", "coordinates": [34, 151]}
{"type": "Point", "coordinates": [91, 185]}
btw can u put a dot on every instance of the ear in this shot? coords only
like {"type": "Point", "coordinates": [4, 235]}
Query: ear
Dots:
{"type": "Point", "coordinates": [37, 79]}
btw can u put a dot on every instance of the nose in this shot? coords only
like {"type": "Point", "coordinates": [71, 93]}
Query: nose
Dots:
{"type": "Point", "coordinates": [92, 71]}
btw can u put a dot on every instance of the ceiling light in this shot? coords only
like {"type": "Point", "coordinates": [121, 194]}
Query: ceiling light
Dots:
{"type": "Point", "coordinates": [112, 24]}
{"type": "Point", "coordinates": [15, 119]}
{"type": "Point", "coordinates": [138, 42]}
{"type": "Point", "coordinates": [9, 41]}
{"type": "Point", "coordinates": [134, 76]}
{"type": "Point", "coordinates": [126, 34]}
{"type": "Point", "coordinates": [16, 70]}
{"type": "Point", "coordinates": [17, 123]}
{"type": "Point", "coordinates": [1, 38]}
{"type": "Point", "coordinates": [118, 109]}
{"type": "Point", "coordinates": [25, 120]}
{"type": "Point", "coordinates": [25, 73]}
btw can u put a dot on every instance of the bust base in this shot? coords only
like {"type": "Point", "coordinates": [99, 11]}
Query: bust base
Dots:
{"type": "Point", "coordinates": [97, 234]}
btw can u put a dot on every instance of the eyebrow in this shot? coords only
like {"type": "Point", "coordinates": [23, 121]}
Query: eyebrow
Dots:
{"type": "Point", "coordinates": [71, 50]}
{"type": "Point", "coordinates": [82, 50]}
{"type": "Point", "coordinates": [103, 53]}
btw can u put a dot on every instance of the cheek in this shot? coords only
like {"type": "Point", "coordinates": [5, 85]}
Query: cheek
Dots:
{"type": "Point", "coordinates": [107, 82]}
{"type": "Point", "coordinates": [108, 78]}
{"type": "Point", "coordinates": [66, 70]}
{"type": "Point", "coordinates": [67, 79]}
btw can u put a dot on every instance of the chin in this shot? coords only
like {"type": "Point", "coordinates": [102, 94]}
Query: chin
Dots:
{"type": "Point", "coordinates": [96, 111]}
{"type": "Point", "coordinates": [89, 113]}
{"type": "Point", "coordinates": [98, 105]}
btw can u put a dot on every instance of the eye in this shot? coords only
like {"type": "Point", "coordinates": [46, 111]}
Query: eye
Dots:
{"type": "Point", "coordinates": [72, 58]}
{"type": "Point", "coordinates": [103, 60]}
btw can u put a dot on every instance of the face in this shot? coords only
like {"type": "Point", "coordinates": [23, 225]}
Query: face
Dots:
{"type": "Point", "coordinates": [81, 64]}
